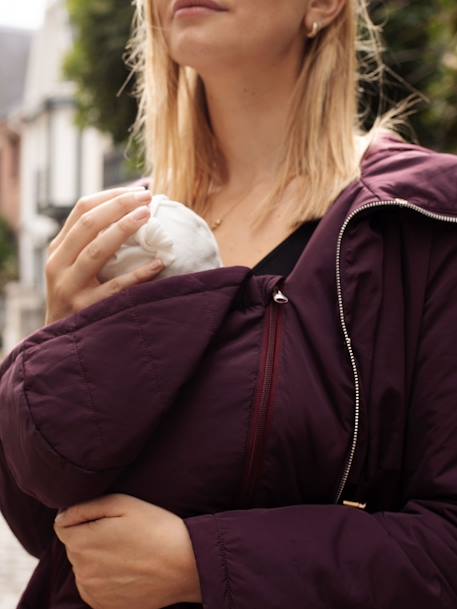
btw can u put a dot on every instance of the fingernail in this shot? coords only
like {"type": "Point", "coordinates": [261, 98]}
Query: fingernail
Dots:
{"type": "Point", "coordinates": [59, 516]}
{"type": "Point", "coordinates": [143, 195]}
{"type": "Point", "coordinates": [140, 213]}
{"type": "Point", "coordinates": [156, 265]}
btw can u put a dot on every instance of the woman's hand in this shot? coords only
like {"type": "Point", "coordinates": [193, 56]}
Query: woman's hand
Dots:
{"type": "Point", "coordinates": [95, 229]}
{"type": "Point", "coordinates": [129, 553]}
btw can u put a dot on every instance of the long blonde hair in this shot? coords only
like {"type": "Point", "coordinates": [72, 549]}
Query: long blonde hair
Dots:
{"type": "Point", "coordinates": [182, 155]}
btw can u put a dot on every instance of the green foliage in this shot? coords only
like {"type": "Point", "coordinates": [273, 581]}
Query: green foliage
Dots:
{"type": "Point", "coordinates": [101, 30]}
{"type": "Point", "coordinates": [8, 254]}
{"type": "Point", "coordinates": [421, 48]}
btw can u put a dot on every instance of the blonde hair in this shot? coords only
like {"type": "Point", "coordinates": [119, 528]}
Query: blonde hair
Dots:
{"type": "Point", "coordinates": [182, 154]}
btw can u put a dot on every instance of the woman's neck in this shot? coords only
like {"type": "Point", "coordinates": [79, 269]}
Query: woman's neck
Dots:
{"type": "Point", "coordinates": [248, 113]}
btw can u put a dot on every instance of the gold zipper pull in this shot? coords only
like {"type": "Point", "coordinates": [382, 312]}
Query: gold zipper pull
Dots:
{"type": "Point", "coordinates": [355, 504]}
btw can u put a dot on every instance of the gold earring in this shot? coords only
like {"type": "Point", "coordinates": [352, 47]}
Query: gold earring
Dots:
{"type": "Point", "coordinates": [315, 29]}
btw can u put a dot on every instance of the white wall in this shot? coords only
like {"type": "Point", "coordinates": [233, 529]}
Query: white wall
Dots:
{"type": "Point", "coordinates": [94, 147]}
{"type": "Point", "coordinates": [64, 156]}
{"type": "Point", "coordinates": [51, 41]}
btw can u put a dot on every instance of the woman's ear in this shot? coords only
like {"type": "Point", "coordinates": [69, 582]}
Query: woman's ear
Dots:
{"type": "Point", "coordinates": [322, 13]}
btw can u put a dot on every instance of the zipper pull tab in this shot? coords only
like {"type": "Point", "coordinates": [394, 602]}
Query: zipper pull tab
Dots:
{"type": "Point", "coordinates": [355, 504]}
{"type": "Point", "coordinates": [279, 297]}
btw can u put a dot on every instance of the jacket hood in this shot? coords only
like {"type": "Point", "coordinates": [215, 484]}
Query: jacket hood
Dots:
{"type": "Point", "coordinates": [395, 169]}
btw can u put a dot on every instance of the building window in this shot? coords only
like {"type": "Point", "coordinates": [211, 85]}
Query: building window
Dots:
{"type": "Point", "coordinates": [41, 188]}
{"type": "Point", "coordinates": [15, 157]}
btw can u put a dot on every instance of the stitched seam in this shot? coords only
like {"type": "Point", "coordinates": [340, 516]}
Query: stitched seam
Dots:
{"type": "Point", "coordinates": [414, 201]}
{"type": "Point", "coordinates": [221, 545]}
{"type": "Point", "coordinates": [43, 437]}
{"type": "Point", "coordinates": [29, 344]}
{"type": "Point", "coordinates": [87, 323]}
{"type": "Point", "coordinates": [86, 384]}
{"type": "Point", "coordinates": [137, 323]}
{"type": "Point", "coordinates": [382, 520]}
{"type": "Point", "coordinates": [368, 187]}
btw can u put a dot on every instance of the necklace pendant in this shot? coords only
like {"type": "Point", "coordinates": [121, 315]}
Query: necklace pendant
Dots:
{"type": "Point", "coordinates": [216, 223]}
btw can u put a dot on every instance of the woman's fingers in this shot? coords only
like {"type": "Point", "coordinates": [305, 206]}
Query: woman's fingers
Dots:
{"type": "Point", "coordinates": [97, 227]}
{"type": "Point", "coordinates": [86, 204]}
{"type": "Point", "coordinates": [88, 226]}
{"type": "Point", "coordinates": [122, 282]}
{"type": "Point", "coordinates": [96, 254]}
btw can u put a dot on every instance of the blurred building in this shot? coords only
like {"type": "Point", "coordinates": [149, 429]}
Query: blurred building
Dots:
{"type": "Point", "coordinates": [52, 161]}
{"type": "Point", "coordinates": [14, 53]}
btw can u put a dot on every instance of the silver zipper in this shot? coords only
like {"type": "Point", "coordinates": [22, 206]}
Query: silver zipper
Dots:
{"type": "Point", "coordinates": [400, 203]}
{"type": "Point", "coordinates": [279, 297]}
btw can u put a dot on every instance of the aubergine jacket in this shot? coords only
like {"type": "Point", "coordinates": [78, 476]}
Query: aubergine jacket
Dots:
{"type": "Point", "coordinates": [304, 427]}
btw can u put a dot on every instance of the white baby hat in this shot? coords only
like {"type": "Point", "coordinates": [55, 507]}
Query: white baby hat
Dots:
{"type": "Point", "coordinates": [175, 234]}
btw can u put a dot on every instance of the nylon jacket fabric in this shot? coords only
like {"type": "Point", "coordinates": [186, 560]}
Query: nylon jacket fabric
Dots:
{"type": "Point", "coordinates": [254, 416]}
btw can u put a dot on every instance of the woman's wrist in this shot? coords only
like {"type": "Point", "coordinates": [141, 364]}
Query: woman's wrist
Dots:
{"type": "Point", "coordinates": [189, 578]}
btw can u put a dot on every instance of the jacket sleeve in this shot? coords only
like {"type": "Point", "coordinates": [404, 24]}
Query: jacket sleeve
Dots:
{"type": "Point", "coordinates": [30, 521]}
{"type": "Point", "coordinates": [80, 397]}
{"type": "Point", "coordinates": [322, 556]}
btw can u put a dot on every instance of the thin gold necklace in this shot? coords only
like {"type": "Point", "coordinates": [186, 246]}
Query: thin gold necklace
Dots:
{"type": "Point", "coordinates": [218, 221]}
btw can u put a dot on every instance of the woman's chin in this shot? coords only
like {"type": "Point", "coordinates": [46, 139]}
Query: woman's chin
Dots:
{"type": "Point", "coordinates": [205, 58]}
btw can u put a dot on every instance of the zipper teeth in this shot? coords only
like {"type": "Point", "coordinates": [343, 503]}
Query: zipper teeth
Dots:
{"type": "Point", "coordinates": [262, 399]}
{"type": "Point", "coordinates": [268, 379]}
{"type": "Point", "coordinates": [393, 202]}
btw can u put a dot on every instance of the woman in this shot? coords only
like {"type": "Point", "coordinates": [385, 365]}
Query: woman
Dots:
{"type": "Point", "coordinates": [350, 493]}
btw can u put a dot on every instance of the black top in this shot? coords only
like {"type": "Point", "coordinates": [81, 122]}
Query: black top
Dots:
{"type": "Point", "coordinates": [282, 259]}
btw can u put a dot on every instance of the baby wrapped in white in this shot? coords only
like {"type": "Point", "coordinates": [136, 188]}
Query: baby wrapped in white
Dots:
{"type": "Point", "coordinates": [175, 234]}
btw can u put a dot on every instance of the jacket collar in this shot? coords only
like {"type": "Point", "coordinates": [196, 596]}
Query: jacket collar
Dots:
{"type": "Point", "coordinates": [393, 170]}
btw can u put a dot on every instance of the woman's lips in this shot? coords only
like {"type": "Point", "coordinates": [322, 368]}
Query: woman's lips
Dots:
{"type": "Point", "coordinates": [186, 7]}
{"type": "Point", "coordinates": [195, 10]}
